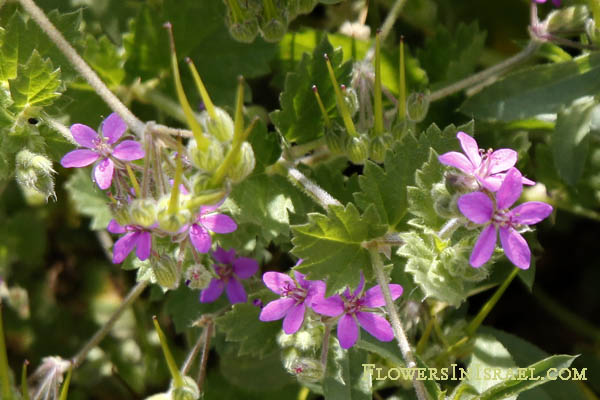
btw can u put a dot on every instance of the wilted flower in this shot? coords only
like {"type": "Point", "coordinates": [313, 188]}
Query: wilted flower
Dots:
{"type": "Point", "coordinates": [135, 236]}
{"type": "Point", "coordinates": [481, 209]}
{"type": "Point", "coordinates": [100, 146]}
{"type": "Point", "coordinates": [229, 271]}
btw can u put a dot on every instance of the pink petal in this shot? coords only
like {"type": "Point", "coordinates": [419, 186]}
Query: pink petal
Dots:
{"type": "Point", "coordinates": [129, 150]}
{"type": "Point", "coordinates": [501, 160]}
{"type": "Point", "coordinates": [212, 207]}
{"type": "Point", "coordinates": [476, 206]}
{"type": "Point", "coordinates": [299, 276]}
{"type": "Point", "coordinates": [347, 331]}
{"type": "Point", "coordinates": [276, 281]}
{"type": "Point", "coordinates": [212, 292]}
{"type": "Point", "coordinates": [510, 190]}
{"type": "Point", "coordinates": [531, 212]}
{"type": "Point", "coordinates": [515, 247]}
{"type": "Point", "coordinates": [200, 238]}
{"type": "Point", "coordinates": [374, 296]}
{"type": "Point", "coordinates": [84, 135]}
{"type": "Point", "coordinates": [79, 158]}
{"type": "Point", "coordinates": [224, 257]}
{"type": "Point", "coordinates": [527, 181]}
{"type": "Point", "coordinates": [218, 223]}
{"type": "Point", "coordinates": [144, 244]}
{"type": "Point", "coordinates": [316, 289]}
{"type": "Point", "coordinates": [245, 267]}
{"type": "Point", "coordinates": [235, 291]}
{"type": "Point", "coordinates": [484, 247]}
{"type": "Point", "coordinates": [103, 173]}
{"type": "Point", "coordinates": [115, 227]}
{"type": "Point", "coordinates": [470, 147]}
{"type": "Point", "coordinates": [361, 285]}
{"type": "Point", "coordinates": [276, 309]}
{"type": "Point", "coordinates": [113, 127]}
{"type": "Point", "coordinates": [123, 246]}
{"type": "Point", "coordinates": [457, 160]}
{"type": "Point", "coordinates": [294, 318]}
{"type": "Point", "coordinates": [492, 182]}
{"type": "Point", "coordinates": [376, 325]}
{"type": "Point", "coordinates": [331, 306]}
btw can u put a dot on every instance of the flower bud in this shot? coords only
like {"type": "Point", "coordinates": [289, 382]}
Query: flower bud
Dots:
{"type": "Point", "coordinates": [189, 390]}
{"type": "Point", "coordinates": [197, 277]}
{"type": "Point", "coordinates": [221, 127]}
{"type": "Point", "coordinates": [305, 6]}
{"type": "Point", "coordinates": [335, 137]}
{"type": "Point", "coordinates": [243, 164]}
{"type": "Point", "coordinates": [306, 369]}
{"type": "Point", "coordinates": [567, 19]}
{"type": "Point", "coordinates": [120, 213]}
{"type": "Point", "coordinates": [33, 173]}
{"type": "Point", "coordinates": [351, 100]}
{"type": "Point", "coordinates": [171, 222]}
{"type": "Point", "coordinates": [417, 106]}
{"type": "Point", "coordinates": [142, 212]}
{"type": "Point", "coordinates": [166, 272]}
{"type": "Point", "coordinates": [379, 146]}
{"type": "Point", "coordinates": [443, 203]}
{"type": "Point", "coordinates": [159, 396]}
{"type": "Point", "coordinates": [400, 128]}
{"type": "Point", "coordinates": [206, 160]}
{"type": "Point", "coordinates": [199, 182]}
{"type": "Point", "coordinates": [245, 31]}
{"type": "Point", "coordinates": [357, 149]}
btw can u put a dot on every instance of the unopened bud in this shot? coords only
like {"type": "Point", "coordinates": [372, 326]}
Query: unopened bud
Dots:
{"type": "Point", "coordinates": [221, 127]}
{"type": "Point", "coordinates": [160, 396]}
{"type": "Point", "coordinates": [357, 149]}
{"type": "Point", "coordinates": [243, 164]}
{"type": "Point", "coordinates": [207, 160]}
{"type": "Point", "coordinates": [443, 203]}
{"type": "Point", "coordinates": [417, 106]}
{"type": "Point", "coordinates": [335, 137]}
{"type": "Point", "coordinates": [171, 222]}
{"type": "Point", "coordinates": [166, 272]}
{"type": "Point", "coordinates": [351, 100]}
{"type": "Point", "coordinates": [245, 31]}
{"type": "Point", "coordinates": [306, 369]}
{"type": "Point", "coordinates": [142, 212]}
{"type": "Point", "coordinates": [379, 147]}
{"type": "Point", "coordinates": [197, 277]}
{"type": "Point", "coordinates": [189, 390]}
{"type": "Point", "coordinates": [305, 6]}
{"type": "Point", "coordinates": [567, 19]}
{"type": "Point", "coordinates": [33, 173]}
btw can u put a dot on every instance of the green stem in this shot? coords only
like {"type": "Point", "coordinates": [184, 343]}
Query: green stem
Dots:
{"type": "Point", "coordinates": [174, 200]}
{"type": "Point", "coordinates": [24, 387]}
{"type": "Point", "coordinates": [212, 197]}
{"type": "Point", "coordinates": [423, 340]}
{"type": "Point", "coordinates": [175, 374]}
{"type": "Point", "coordinates": [210, 107]}
{"type": "Point", "coordinates": [402, 88]}
{"type": "Point", "coordinates": [4, 368]}
{"type": "Point", "coordinates": [65, 388]}
{"type": "Point", "coordinates": [321, 105]}
{"type": "Point", "coordinates": [378, 107]}
{"type": "Point", "coordinates": [208, 333]}
{"type": "Point", "coordinates": [489, 305]}
{"type": "Point", "coordinates": [325, 347]}
{"type": "Point", "coordinates": [314, 191]}
{"type": "Point", "coordinates": [340, 100]}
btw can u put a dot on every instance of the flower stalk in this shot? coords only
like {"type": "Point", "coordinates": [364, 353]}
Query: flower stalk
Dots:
{"type": "Point", "coordinates": [340, 101]}
{"type": "Point", "coordinates": [175, 374]}
{"type": "Point", "coordinates": [65, 388]}
{"type": "Point", "coordinates": [4, 368]}
{"type": "Point", "coordinates": [402, 84]}
{"type": "Point", "coordinates": [377, 97]}
{"type": "Point", "coordinates": [24, 387]}
{"type": "Point", "coordinates": [207, 336]}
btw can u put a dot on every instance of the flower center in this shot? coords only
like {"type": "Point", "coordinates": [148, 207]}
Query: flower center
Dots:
{"type": "Point", "coordinates": [101, 147]}
{"type": "Point", "coordinates": [483, 169]}
{"type": "Point", "coordinates": [224, 271]}
{"type": "Point", "coordinates": [502, 218]}
{"type": "Point", "coordinates": [353, 305]}
{"type": "Point", "coordinates": [294, 292]}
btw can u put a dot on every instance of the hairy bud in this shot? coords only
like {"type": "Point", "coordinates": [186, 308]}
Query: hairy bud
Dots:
{"type": "Point", "coordinates": [357, 149]}
{"type": "Point", "coordinates": [335, 137]}
{"type": "Point", "coordinates": [221, 127]}
{"type": "Point", "coordinates": [197, 277]}
{"type": "Point", "coordinates": [166, 272]}
{"type": "Point", "coordinates": [379, 146]}
{"type": "Point", "coordinates": [306, 369]}
{"type": "Point", "coordinates": [33, 173]}
{"type": "Point", "coordinates": [274, 29]}
{"type": "Point", "coordinates": [243, 164]}
{"type": "Point", "coordinates": [206, 160]}
{"type": "Point", "coordinates": [142, 212]}
{"type": "Point", "coordinates": [351, 100]}
{"type": "Point", "coordinates": [417, 106]}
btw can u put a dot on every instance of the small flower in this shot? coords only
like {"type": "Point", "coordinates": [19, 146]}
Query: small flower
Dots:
{"type": "Point", "coordinates": [357, 307]}
{"type": "Point", "coordinates": [229, 271]}
{"type": "Point", "coordinates": [209, 220]}
{"type": "Point", "coordinates": [486, 168]}
{"type": "Point", "coordinates": [480, 209]}
{"type": "Point", "coordinates": [296, 294]}
{"type": "Point", "coordinates": [135, 236]}
{"type": "Point", "coordinates": [100, 147]}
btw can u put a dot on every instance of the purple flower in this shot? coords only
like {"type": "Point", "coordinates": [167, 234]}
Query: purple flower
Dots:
{"type": "Point", "coordinates": [100, 147]}
{"type": "Point", "coordinates": [486, 167]}
{"type": "Point", "coordinates": [135, 236]}
{"type": "Point", "coordinates": [479, 208]}
{"type": "Point", "coordinates": [356, 309]}
{"type": "Point", "coordinates": [555, 2]}
{"type": "Point", "coordinates": [229, 271]}
{"type": "Point", "coordinates": [296, 294]}
{"type": "Point", "coordinates": [209, 220]}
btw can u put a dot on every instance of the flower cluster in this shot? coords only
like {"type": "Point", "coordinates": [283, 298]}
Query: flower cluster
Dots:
{"type": "Point", "coordinates": [350, 310]}
{"type": "Point", "coordinates": [229, 270]}
{"type": "Point", "coordinates": [496, 186]}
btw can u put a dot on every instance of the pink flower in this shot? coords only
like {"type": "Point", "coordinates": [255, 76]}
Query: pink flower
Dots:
{"type": "Point", "coordinates": [485, 168]}
{"type": "Point", "coordinates": [209, 220]}
{"type": "Point", "coordinates": [229, 272]}
{"type": "Point", "coordinates": [135, 236]}
{"type": "Point", "coordinates": [496, 216]}
{"type": "Point", "coordinates": [555, 2]}
{"type": "Point", "coordinates": [100, 147]}
{"type": "Point", "coordinates": [356, 309]}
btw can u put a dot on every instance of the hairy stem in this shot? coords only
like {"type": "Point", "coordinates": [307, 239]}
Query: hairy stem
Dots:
{"type": "Point", "coordinates": [187, 364]}
{"type": "Point", "coordinates": [407, 352]}
{"type": "Point", "coordinates": [208, 331]}
{"type": "Point", "coordinates": [323, 198]}
{"type": "Point", "coordinates": [325, 347]}
{"type": "Point", "coordinates": [81, 66]}
{"type": "Point", "coordinates": [60, 128]}
{"type": "Point", "coordinates": [133, 294]}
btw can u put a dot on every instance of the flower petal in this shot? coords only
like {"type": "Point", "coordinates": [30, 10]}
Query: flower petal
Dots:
{"type": "Point", "coordinates": [129, 150]}
{"type": "Point", "coordinates": [113, 127]}
{"type": "Point", "coordinates": [457, 160]}
{"type": "Point", "coordinates": [115, 227]}
{"type": "Point", "coordinates": [84, 135]}
{"type": "Point", "coordinates": [527, 181]}
{"type": "Point", "coordinates": [103, 173]}
{"type": "Point", "coordinates": [245, 267]}
{"type": "Point", "coordinates": [276, 309]}
{"type": "Point", "coordinates": [476, 206]}
{"type": "Point", "coordinates": [294, 318]}
{"type": "Point", "coordinates": [212, 292]}
{"type": "Point", "coordinates": [218, 223]}
{"type": "Point", "coordinates": [347, 331]}
{"type": "Point", "coordinates": [200, 238]}
{"type": "Point", "coordinates": [374, 296]}
{"type": "Point", "coordinates": [235, 291]}
{"type": "Point", "coordinates": [515, 247]}
{"type": "Point", "coordinates": [376, 325]}
{"type": "Point", "coordinates": [123, 246]}
{"type": "Point", "coordinates": [510, 190]}
{"type": "Point", "coordinates": [501, 160]}
{"type": "Point", "coordinates": [316, 289]}
{"type": "Point", "coordinates": [331, 306]}
{"type": "Point", "coordinates": [530, 213]}
{"type": "Point", "coordinates": [299, 276]}
{"type": "Point", "coordinates": [144, 244]}
{"type": "Point", "coordinates": [470, 147]}
{"type": "Point", "coordinates": [79, 158]}
{"type": "Point", "coordinates": [484, 247]}
{"type": "Point", "coordinates": [277, 281]}
{"type": "Point", "coordinates": [224, 257]}
{"type": "Point", "coordinates": [492, 182]}
{"type": "Point", "coordinates": [361, 285]}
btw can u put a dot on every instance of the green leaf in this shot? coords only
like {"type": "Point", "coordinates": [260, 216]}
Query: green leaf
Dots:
{"type": "Point", "coordinates": [570, 141]}
{"type": "Point", "coordinates": [330, 176]}
{"type": "Point", "coordinates": [184, 307]}
{"type": "Point", "coordinates": [37, 83]}
{"type": "Point", "coordinates": [331, 245]}
{"type": "Point", "coordinates": [345, 378]}
{"type": "Point", "coordinates": [431, 386]}
{"type": "Point", "coordinates": [299, 119]}
{"type": "Point", "coordinates": [9, 50]}
{"type": "Point", "coordinates": [103, 56]}
{"type": "Point", "coordinates": [266, 145]}
{"type": "Point", "coordinates": [242, 325]}
{"type": "Point", "coordinates": [89, 200]}
{"type": "Point", "coordinates": [537, 90]}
